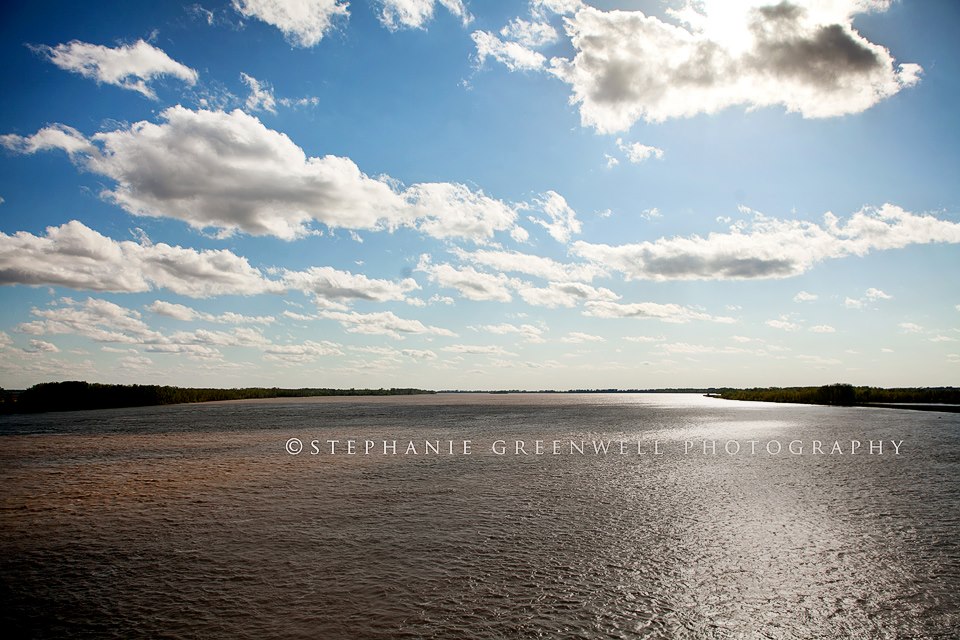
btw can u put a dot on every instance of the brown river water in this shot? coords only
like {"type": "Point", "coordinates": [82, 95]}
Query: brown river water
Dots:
{"type": "Point", "coordinates": [564, 516]}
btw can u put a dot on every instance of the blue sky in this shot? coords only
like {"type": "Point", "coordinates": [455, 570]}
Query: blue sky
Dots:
{"type": "Point", "coordinates": [452, 194]}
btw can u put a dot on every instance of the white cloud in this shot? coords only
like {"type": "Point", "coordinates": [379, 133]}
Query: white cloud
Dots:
{"type": "Point", "coordinates": [805, 56]}
{"type": "Point", "coordinates": [561, 221]}
{"type": "Point", "coordinates": [671, 312]}
{"type": "Point", "coordinates": [303, 22]}
{"type": "Point", "coordinates": [98, 320]}
{"type": "Point", "coordinates": [228, 171]}
{"type": "Point", "coordinates": [73, 255]}
{"type": "Point", "coordinates": [382, 323]}
{"type": "Point", "coordinates": [478, 350]}
{"type": "Point", "coordinates": [804, 296]}
{"type": "Point", "coordinates": [823, 328]}
{"type": "Point", "coordinates": [538, 266]}
{"type": "Point", "coordinates": [783, 323]}
{"type": "Point", "coordinates": [876, 294]}
{"type": "Point", "coordinates": [130, 66]}
{"type": "Point", "coordinates": [471, 284]}
{"type": "Point", "coordinates": [298, 353]}
{"type": "Point", "coordinates": [528, 332]}
{"type": "Point", "coordinates": [770, 248]}
{"type": "Point", "coordinates": [261, 95]}
{"type": "Point", "coordinates": [578, 337]}
{"type": "Point", "coordinates": [41, 346]}
{"type": "Point", "coordinates": [514, 55]}
{"type": "Point", "coordinates": [334, 285]}
{"type": "Point", "coordinates": [564, 294]}
{"type": "Point", "coordinates": [530, 34]}
{"type": "Point", "coordinates": [396, 14]}
{"type": "Point", "coordinates": [910, 327]}
{"type": "Point", "coordinates": [637, 153]}
{"type": "Point", "coordinates": [642, 339]}
{"type": "Point", "coordinates": [186, 314]}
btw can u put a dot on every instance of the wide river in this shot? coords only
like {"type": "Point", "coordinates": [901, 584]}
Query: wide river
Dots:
{"type": "Point", "coordinates": [481, 516]}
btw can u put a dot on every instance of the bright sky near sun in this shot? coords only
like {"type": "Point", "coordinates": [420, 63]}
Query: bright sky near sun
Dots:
{"type": "Point", "coordinates": [456, 194]}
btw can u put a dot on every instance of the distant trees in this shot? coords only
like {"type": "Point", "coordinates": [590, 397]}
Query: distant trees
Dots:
{"type": "Point", "coordinates": [846, 395]}
{"type": "Point", "coordinates": [73, 395]}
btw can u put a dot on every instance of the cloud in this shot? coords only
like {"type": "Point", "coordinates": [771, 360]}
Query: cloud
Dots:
{"type": "Point", "coordinates": [782, 323]}
{"type": "Point", "coordinates": [564, 294]}
{"type": "Point", "coordinates": [577, 337]}
{"type": "Point", "coordinates": [561, 221]}
{"type": "Point", "coordinates": [876, 294]}
{"type": "Point", "coordinates": [185, 313]}
{"type": "Point", "coordinates": [637, 153]}
{"type": "Point", "coordinates": [770, 248]}
{"type": "Point", "coordinates": [334, 285]}
{"type": "Point", "coordinates": [823, 328]}
{"type": "Point", "coordinates": [513, 55]}
{"type": "Point", "coordinates": [805, 56]}
{"type": "Point", "coordinates": [471, 284]}
{"type": "Point", "coordinates": [261, 95]}
{"type": "Point", "coordinates": [478, 350]}
{"type": "Point", "coordinates": [229, 172]}
{"type": "Point", "coordinates": [304, 23]}
{"type": "Point", "coordinates": [129, 66]}
{"type": "Point", "coordinates": [804, 296]}
{"type": "Point", "coordinates": [41, 346]}
{"type": "Point", "coordinates": [98, 320]}
{"type": "Point", "coordinates": [530, 34]}
{"type": "Point", "coordinates": [673, 313]}
{"type": "Point", "coordinates": [414, 14]}
{"type": "Point", "coordinates": [382, 323]}
{"type": "Point", "coordinates": [538, 266]}
{"type": "Point", "coordinates": [73, 255]}
{"type": "Point", "coordinates": [910, 327]}
{"type": "Point", "coordinates": [528, 332]}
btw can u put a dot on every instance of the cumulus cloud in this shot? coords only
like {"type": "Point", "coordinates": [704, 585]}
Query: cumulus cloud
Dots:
{"type": "Point", "coordinates": [73, 255]}
{"type": "Point", "coordinates": [564, 294]}
{"type": "Point", "coordinates": [770, 248]}
{"type": "Point", "coordinates": [478, 350]}
{"type": "Point", "coordinates": [304, 23]}
{"type": "Point", "coordinates": [514, 55]}
{"type": "Point", "coordinates": [804, 55]}
{"type": "Point", "coordinates": [261, 95]}
{"type": "Point", "coordinates": [185, 313]}
{"type": "Point", "coordinates": [532, 265]}
{"type": "Point", "coordinates": [561, 220]}
{"type": "Point", "coordinates": [910, 327]}
{"type": "Point", "coordinates": [578, 337]}
{"type": "Point", "coordinates": [804, 296]}
{"type": "Point", "coordinates": [671, 312]}
{"type": "Point", "coordinates": [527, 332]}
{"type": "Point", "coordinates": [783, 323]}
{"type": "Point", "coordinates": [472, 284]}
{"type": "Point", "coordinates": [530, 34]}
{"type": "Point", "coordinates": [228, 171]}
{"type": "Point", "coordinates": [823, 328]}
{"type": "Point", "coordinates": [382, 323]}
{"type": "Point", "coordinates": [129, 66]}
{"type": "Point", "coordinates": [637, 153]}
{"type": "Point", "coordinates": [334, 285]}
{"type": "Point", "coordinates": [414, 14]}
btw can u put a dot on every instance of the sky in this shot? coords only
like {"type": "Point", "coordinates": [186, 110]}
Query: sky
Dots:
{"type": "Point", "coordinates": [456, 194]}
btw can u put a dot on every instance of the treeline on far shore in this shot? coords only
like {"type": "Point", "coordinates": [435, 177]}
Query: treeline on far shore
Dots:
{"type": "Point", "coordinates": [74, 395]}
{"type": "Point", "coordinates": [846, 395]}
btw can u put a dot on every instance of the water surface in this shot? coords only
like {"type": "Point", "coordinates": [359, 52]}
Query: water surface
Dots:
{"type": "Point", "coordinates": [193, 521]}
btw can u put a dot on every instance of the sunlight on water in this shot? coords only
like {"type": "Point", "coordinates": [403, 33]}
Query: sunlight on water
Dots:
{"type": "Point", "coordinates": [194, 521]}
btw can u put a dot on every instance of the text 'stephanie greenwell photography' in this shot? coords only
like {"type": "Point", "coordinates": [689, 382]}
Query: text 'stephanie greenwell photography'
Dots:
{"type": "Point", "coordinates": [480, 319]}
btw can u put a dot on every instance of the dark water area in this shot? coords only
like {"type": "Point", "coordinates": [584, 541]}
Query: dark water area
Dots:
{"type": "Point", "coordinates": [705, 518]}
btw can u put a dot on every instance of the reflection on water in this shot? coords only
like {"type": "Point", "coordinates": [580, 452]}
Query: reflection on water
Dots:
{"type": "Point", "coordinates": [193, 521]}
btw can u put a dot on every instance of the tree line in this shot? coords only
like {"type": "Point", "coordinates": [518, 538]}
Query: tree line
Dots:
{"type": "Point", "coordinates": [846, 395]}
{"type": "Point", "coordinates": [73, 395]}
